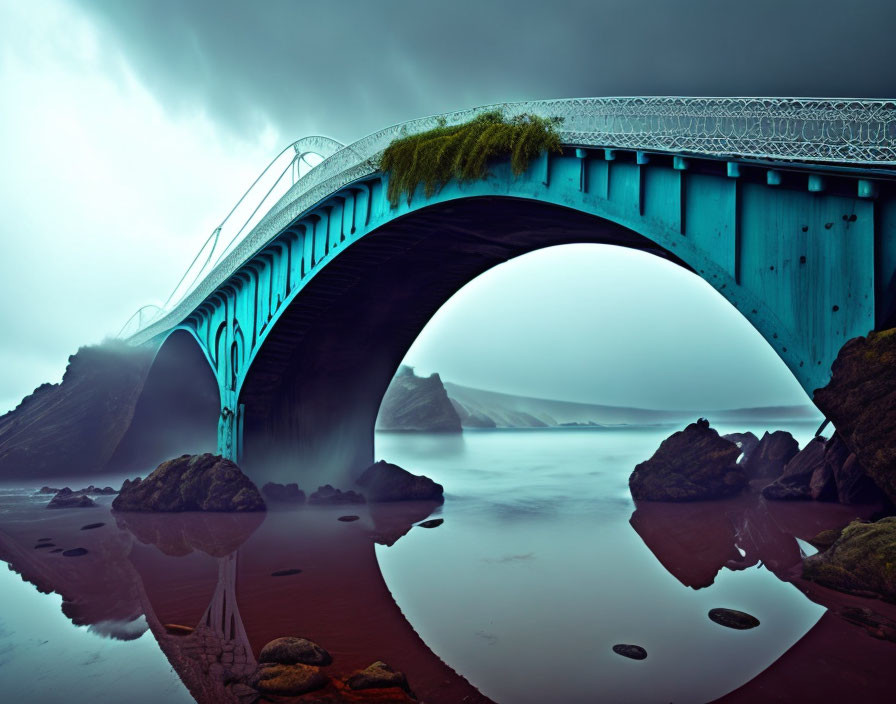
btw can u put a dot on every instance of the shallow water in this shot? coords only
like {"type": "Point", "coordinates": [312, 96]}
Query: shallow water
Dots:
{"type": "Point", "coordinates": [542, 564]}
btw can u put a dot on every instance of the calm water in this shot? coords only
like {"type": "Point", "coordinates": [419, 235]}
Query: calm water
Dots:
{"type": "Point", "coordinates": [542, 563]}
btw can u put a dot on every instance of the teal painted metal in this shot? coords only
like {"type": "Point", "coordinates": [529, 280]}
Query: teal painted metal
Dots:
{"type": "Point", "coordinates": [803, 267]}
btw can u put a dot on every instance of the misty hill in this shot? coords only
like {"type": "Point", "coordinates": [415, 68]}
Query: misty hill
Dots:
{"type": "Point", "coordinates": [417, 403]}
{"type": "Point", "coordinates": [510, 411]}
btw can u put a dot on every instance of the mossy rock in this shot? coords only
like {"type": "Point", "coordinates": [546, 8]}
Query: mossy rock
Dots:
{"type": "Point", "coordinates": [862, 560]}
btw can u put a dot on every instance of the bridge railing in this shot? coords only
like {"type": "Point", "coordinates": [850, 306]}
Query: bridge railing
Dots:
{"type": "Point", "coordinates": [857, 132]}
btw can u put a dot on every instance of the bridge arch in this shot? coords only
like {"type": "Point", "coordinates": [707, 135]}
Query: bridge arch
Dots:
{"type": "Point", "coordinates": [316, 380]}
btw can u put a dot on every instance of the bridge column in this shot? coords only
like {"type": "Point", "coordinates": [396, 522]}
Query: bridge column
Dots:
{"type": "Point", "coordinates": [230, 427]}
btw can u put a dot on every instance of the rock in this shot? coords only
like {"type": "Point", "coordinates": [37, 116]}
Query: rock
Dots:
{"type": "Point", "coordinates": [286, 573]}
{"type": "Point", "coordinates": [290, 650]}
{"type": "Point", "coordinates": [747, 442]}
{"type": "Point", "coordinates": [768, 459]}
{"type": "Point", "coordinates": [417, 403]}
{"type": "Point", "coordinates": [690, 465]}
{"type": "Point", "coordinates": [48, 490]}
{"type": "Point", "coordinates": [74, 552]}
{"type": "Point", "coordinates": [432, 523]}
{"type": "Point", "coordinates": [471, 418]}
{"type": "Point", "coordinates": [287, 680]}
{"type": "Point", "coordinates": [798, 472]}
{"type": "Point", "coordinates": [733, 619]}
{"type": "Point", "coordinates": [348, 519]}
{"type": "Point", "coordinates": [66, 498]}
{"type": "Point", "coordinates": [851, 481]}
{"type": "Point", "coordinates": [635, 652]}
{"type": "Point", "coordinates": [861, 560]}
{"type": "Point", "coordinates": [383, 481]}
{"type": "Point", "coordinates": [327, 495]}
{"type": "Point", "coordinates": [96, 491]}
{"type": "Point", "coordinates": [378, 676]}
{"type": "Point", "coordinates": [191, 483]}
{"type": "Point", "coordinates": [284, 493]}
{"type": "Point", "coordinates": [40, 546]}
{"type": "Point", "coordinates": [860, 400]}
{"type": "Point", "coordinates": [825, 539]}
{"type": "Point", "coordinates": [91, 526]}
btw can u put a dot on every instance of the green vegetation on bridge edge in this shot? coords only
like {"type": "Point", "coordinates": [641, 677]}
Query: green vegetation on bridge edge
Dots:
{"type": "Point", "coordinates": [463, 151]}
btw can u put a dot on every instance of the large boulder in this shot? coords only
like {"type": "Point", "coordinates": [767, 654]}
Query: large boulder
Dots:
{"type": "Point", "coordinates": [690, 465]}
{"type": "Point", "coordinates": [191, 483]}
{"type": "Point", "coordinates": [747, 442]}
{"type": "Point", "coordinates": [860, 400]}
{"type": "Point", "coordinates": [798, 473]}
{"type": "Point", "coordinates": [287, 680]}
{"type": "Point", "coordinates": [66, 498]}
{"type": "Point", "coordinates": [861, 561]}
{"type": "Point", "coordinates": [768, 459]}
{"type": "Point", "coordinates": [383, 481]}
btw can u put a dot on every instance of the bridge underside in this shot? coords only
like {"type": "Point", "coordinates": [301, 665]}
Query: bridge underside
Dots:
{"type": "Point", "coordinates": [313, 392]}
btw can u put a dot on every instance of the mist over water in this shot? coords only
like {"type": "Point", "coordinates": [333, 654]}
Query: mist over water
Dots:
{"type": "Point", "coordinates": [536, 573]}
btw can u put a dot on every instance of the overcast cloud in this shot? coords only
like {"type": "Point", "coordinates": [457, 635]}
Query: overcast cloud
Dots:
{"type": "Point", "coordinates": [128, 129]}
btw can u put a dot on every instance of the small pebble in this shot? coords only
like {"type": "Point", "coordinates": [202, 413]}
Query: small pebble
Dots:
{"type": "Point", "coordinates": [44, 545]}
{"type": "Point", "coordinates": [91, 526]}
{"type": "Point", "coordinates": [74, 552]}
{"type": "Point", "coordinates": [432, 523]}
{"type": "Point", "coordinates": [285, 573]}
{"type": "Point", "coordinates": [635, 652]}
{"type": "Point", "coordinates": [348, 519]}
{"type": "Point", "coordinates": [733, 619]}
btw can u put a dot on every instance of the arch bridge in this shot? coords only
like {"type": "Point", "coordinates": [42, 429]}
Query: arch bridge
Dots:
{"type": "Point", "coordinates": [786, 207]}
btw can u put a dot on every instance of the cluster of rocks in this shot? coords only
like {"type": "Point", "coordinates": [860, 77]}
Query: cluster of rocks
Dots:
{"type": "Point", "coordinates": [381, 482]}
{"type": "Point", "coordinates": [67, 498]}
{"type": "Point", "coordinates": [291, 667]}
{"type": "Point", "coordinates": [699, 464]}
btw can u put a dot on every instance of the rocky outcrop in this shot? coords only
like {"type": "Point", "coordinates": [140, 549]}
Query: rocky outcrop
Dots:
{"type": "Point", "coordinates": [794, 482]}
{"type": "Point", "coordinates": [472, 418]}
{"type": "Point", "coordinates": [383, 481]}
{"type": "Point", "coordinates": [328, 495]}
{"type": "Point", "coordinates": [73, 428]}
{"type": "Point", "coordinates": [283, 493]}
{"type": "Point", "coordinates": [862, 560]}
{"type": "Point", "coordinates": [191, 483]}
{"type": "Point", "coordinates": [747, 442]}
{"type": "Point", "coordinates": [860, 401]}
{"type": "Point", "coordinates": [768, 459]}
{"type": "Point", "coordinates": [690, 465]}
{"type": "Point", "coordinates": [851, 481]}
{"type": "Point", "coordinates": [287, 680]}
{"type": "Point", "coordinates": [66, 498]}
{"type": "Point", "coordinates": [417, 403]}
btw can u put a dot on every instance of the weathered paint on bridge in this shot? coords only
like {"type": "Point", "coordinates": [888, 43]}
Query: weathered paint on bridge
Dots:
{"type": "Point", "coordinates": [806, 253]}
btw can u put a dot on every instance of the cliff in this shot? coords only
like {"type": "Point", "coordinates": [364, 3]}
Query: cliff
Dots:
{"type": "Point", "coordinates": [72, 428]}
{"type": "Point", "coordinates": [417, 403]}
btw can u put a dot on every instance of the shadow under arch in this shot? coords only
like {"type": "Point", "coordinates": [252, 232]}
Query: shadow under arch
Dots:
{"type": "Point", "coordinates": [177, 411]}
{"type": "Point", "coordinates": [314, 387]}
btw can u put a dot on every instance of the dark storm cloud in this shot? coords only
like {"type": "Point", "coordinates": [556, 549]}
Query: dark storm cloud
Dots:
{"type": "Point", "coordinates": [348, 67]}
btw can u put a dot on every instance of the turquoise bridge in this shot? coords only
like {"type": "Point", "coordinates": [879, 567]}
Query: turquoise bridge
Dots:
{"type": "Point", "coordinates": [786, 207]}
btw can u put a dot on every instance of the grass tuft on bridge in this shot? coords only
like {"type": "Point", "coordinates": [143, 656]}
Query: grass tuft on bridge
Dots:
{"type": "Point", "coordinates": [463, 152]}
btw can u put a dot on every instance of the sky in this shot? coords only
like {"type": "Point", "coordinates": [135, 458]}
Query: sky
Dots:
{"type": "Point", "coordinates": [128, 129]}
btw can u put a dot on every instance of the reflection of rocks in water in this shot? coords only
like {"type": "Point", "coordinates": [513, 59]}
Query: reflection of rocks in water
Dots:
{"type": "Point", "coordinates": [216, 534]}
{"type": "Point", "coordinates": [694, 541]}
{"type": "Point", "coordinates": [393, 520]}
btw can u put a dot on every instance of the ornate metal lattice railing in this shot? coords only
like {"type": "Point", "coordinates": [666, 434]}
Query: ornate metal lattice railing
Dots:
{"type": "Point", "coordinates": [853, 132]}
